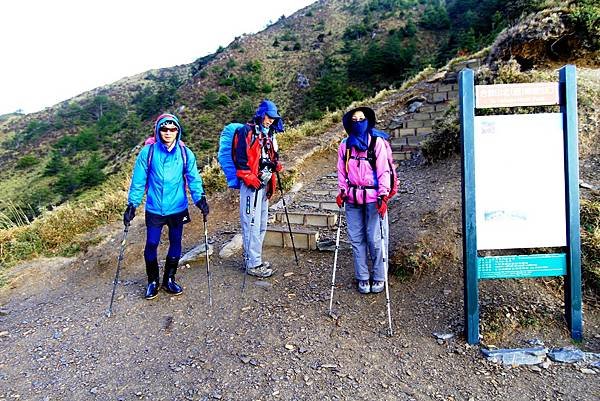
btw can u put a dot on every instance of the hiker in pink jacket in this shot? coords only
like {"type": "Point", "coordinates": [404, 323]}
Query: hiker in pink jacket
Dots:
{"type": "Point", "coordinates": [364, 191]}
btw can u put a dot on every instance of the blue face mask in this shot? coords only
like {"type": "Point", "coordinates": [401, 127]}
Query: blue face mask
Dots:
{"type": "Point", "coordinates": [264, 130]}
{"type": "Point", "coordinates": [359, 137]}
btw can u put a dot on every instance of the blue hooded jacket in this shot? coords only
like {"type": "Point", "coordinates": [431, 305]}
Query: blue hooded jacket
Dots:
{"type": "Point", "coordinates": [165, 178]}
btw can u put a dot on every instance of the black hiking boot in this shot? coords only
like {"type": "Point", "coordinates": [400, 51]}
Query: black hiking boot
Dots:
{"type": "Point", "coordinates": [153, 275]}
{"type": "Point", "coordinates": [169, 283]}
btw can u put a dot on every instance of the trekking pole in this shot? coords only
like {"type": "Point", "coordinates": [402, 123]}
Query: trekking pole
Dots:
{"type": "Point", "coordinates": [247, 250]}
{"type": "Point", "coordinates": [207, 261]}
{"type": "Point", "coordinates": [335, 257]}
{"type": "Point", "coordinates": [287, 217]}
{"type": "Point", "coordinates": [116, 280]}
{"type": "Point", "coordinates": [385, 269]}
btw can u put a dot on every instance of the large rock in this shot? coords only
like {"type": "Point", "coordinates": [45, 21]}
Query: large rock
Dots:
{"type": "Point", "coordinates": [197, 254]}
{"type": "Point", "coordinates": [232, 247]}
{"type": "Point", "coordinates": [517, 356]}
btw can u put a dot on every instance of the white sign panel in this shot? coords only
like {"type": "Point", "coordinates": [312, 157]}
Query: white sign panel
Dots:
{"type": "Point", "coordinates": [519, 181]}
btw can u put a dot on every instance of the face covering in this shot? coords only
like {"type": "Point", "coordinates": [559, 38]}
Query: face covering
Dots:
{"type": "Point", "coordinates": [358, 138]}
{"type": "Point", "coordinates": [264, 130]}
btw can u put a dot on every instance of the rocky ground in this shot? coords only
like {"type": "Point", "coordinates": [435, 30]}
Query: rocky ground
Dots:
{"type": "Point", "coordinates": [276, 340]}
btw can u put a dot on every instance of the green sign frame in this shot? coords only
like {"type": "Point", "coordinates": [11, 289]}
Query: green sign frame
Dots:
{"type": "Point", "coordinates": [566, 264]}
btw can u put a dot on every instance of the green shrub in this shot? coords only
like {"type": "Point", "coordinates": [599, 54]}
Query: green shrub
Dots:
{"type": "Point", "coordinates": [435, 18]}
{"type": "Point", "coordinates": [26, 162]}
{"type": "Point", "coordinates": [210, 101]}
{"type": "Point", "coordinates": [586, 18]}
{"type": "Point", "coordinates": [231, 63]}
{"type": "Point", "coordinates": [248, 83]}
{"type": "Point", "coordinates": [223, 100]}
{"type": "Point", "coordinates": [445, 139]}
{"type": "Point", "coordinates": [254, 66]}
{"type": "Point", "coordinates": [590, 242]}
{"type": "Point", "coordinates": [244, 111]}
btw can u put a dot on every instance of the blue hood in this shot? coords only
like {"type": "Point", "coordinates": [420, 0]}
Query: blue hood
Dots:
{"type": "Point", "coordinates": [164, 118]}
{"type": "Point", "coordinates": [268, 107]}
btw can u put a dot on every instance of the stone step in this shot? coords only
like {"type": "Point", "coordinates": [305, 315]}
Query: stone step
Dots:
{"type": "Point", "coordinates": [280, 237]}
{"type": "Point", "coordinates": [322, 205]}
{"type": "Point", "coordinates": [401, 155]}
{"type": "Point", "coordinates": [326, 192]}
{"type": "Point", "coordinates": [308, 219]}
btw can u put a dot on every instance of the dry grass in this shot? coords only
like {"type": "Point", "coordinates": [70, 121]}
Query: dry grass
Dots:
{"type": "Point", "coordinates": [59, 232]}
{"type": "Point", "coordinates": [311, 128]}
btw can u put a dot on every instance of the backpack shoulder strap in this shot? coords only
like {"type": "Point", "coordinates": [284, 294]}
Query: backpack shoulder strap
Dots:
{"type": "Point", "coordinates": [150, 155]}
{"type": "Point", "coordinates": [182, 147]}
{"type": "Point", "coordinates": [371, 156]}
{"type": "Point", "coordinates": [347, 158]}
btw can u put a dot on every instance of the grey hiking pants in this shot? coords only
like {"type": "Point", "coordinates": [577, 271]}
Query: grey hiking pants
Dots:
{"type": "Point", "coordinates": [253, 234]}
{"type": "Point", "coordinates": [365, 235]}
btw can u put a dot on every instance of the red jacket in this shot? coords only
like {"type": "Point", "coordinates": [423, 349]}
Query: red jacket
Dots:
{"type": "Point", "coordinates": [248, 144]}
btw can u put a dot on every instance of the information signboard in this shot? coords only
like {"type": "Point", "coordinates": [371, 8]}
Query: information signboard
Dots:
{"type": "Point", "coordinates": [520, 196]}
{"type": "Point", "coordinates": [520, 189]}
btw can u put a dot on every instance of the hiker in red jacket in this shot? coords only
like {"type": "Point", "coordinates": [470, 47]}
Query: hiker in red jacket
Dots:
{"type": "Point", "coordinates": [256, 160]}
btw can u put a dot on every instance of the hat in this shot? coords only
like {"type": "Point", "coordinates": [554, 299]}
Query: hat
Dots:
{"type": "Point", "coordinates": [367, 111]}
{"type": "Point", "coordinates": [267, 107]}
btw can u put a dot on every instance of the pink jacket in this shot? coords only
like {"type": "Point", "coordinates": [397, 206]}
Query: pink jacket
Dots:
{"type": "Point", "coordinates": [360, 174]}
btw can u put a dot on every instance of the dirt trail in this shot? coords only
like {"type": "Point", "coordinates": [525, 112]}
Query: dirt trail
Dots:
{"type": "Point", "coordinates": [276, 342]}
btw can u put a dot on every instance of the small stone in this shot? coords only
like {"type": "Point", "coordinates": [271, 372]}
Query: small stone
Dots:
{"type": "Point", "coordinates": [587, 371]}
{"type": "Point", "coordinates": [287, 274]}
{"type": "Point", "coordinates": [302, 350]}
{"type": "Point", "coordinates": [289, 347]}
{"type": "Point", "coordinates": [443, 336]}
{"type": "Point", "coordinates": [263, 284]}
{"type": "Point", "coordinates": [535, 368]}
{"type": "Point", "coordinates": [3, 333]}
{"type": "Point", "coordinates": [245, 359]}
{"type": "Point", "coordinates": [94, 390]}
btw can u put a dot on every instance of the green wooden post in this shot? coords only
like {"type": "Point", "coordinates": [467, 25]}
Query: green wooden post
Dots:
{"type": "Point", "coordinates": [572, 292]}
{"type": "Point", "coordinates": [466, 88]}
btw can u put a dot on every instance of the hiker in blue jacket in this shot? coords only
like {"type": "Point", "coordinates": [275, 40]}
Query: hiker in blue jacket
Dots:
{"type": "Point", "coordinates": [163, 169]}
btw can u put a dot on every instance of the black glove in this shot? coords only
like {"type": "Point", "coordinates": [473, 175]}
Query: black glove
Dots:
{"type": "Point", "coordinates": [129, 214]}
{"type": "Point", "coordinates": [202, 204]}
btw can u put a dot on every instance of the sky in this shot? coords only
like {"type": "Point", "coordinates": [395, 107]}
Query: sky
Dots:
{"type": "Point", "coordinates": [53, 50]}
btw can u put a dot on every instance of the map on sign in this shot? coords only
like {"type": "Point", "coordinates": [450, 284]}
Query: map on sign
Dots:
{"type": "Point", "coordinates": [519, 181]}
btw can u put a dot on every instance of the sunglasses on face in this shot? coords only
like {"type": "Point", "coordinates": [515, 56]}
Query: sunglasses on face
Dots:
{"type": "Point", "coordinates": [165, 129]}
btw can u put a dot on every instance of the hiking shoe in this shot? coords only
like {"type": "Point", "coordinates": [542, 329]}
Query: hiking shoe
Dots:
{"type": "Point", "coordinates": [151, 290]}
{"type": "Point", "coordinates": [364, 287]}
{"type": "Point", "coordinates": [377, 286]}
{"type": "Point", "coordinates": [262, 270]}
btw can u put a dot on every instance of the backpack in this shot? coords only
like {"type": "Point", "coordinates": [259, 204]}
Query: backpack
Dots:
{"type": "Point", "coordinates": [225, 155]}
{"type": "Point", "coordinates": [151, 140]}
{"type": "Point", "coordinates": [372, 159]}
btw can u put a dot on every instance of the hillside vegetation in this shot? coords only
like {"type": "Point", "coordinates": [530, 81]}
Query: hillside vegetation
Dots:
{"type": "Point", "coordinates": [318, 60]}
